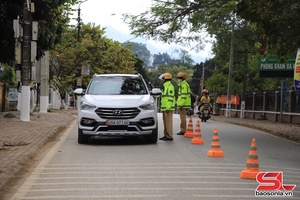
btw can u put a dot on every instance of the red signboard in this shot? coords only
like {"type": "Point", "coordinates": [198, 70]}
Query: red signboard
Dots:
{"type": "Point", "coordinates": [223, 99]}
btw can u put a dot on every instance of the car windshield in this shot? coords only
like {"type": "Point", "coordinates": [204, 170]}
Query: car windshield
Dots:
{"type": "Point", "coordinates": [115, 85]}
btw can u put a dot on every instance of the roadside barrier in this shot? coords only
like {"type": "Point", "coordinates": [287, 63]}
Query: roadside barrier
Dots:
{"type": "Point", "coordinates": [190, 130]}
{"type": "Point", "coordinates": [252, 167]}
{"type": "Point", "coordinates": [215, 149]}
{"type": "Point", "coordinates": [197, 139]}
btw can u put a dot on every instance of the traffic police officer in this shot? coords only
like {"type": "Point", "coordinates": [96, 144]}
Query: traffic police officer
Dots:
{"type": "Point", "coordinates": [183, 101]}
{"type": "Point", "coordinates": [167, 106]}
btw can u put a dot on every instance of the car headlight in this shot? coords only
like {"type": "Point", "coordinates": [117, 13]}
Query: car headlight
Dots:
{"type": "Point", "coordinates": [148, 106]}
{"type": "Point", "coordinates": [86, 106]}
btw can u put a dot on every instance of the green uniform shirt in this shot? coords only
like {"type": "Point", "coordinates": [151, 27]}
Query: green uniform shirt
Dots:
{"type": "Point", "coordinates": [184, 95]}
{"type": "Point", "coordinates": [168, 97]}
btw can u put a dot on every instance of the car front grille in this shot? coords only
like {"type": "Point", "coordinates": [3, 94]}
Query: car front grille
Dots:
{"type": "Point", "coordinates": [117, 113]}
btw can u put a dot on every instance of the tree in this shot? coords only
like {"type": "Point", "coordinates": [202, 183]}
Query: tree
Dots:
{"type": "Point", "coordinates": [185, 21]}
{"type": "Point", "coordinates": [9, 10]}
{"type": "Point", "coordinates": [141, 50]}
{"type": "Point", "coordinates": [101, 54]}
{"type": "Point", "coordinates": [174, 70]}
{"type": "Point", "coordinates": [276, 23]}
{"type": "Point", "coordinates": [161, 59]}
{"type": "Point", "coordinates": [180, 21]}
{"type": "Point", "coordinates": [184, 59]}
{"type": "Point", "coordinates": [139, 67]}
{"type": "Point", "coordinates": [52, 17]}
{"type": "Point", "coordinates": [207, 67]}
{"type": "Point", "coordinates": [8, 75]}
{"type": "Point", "coordinates": [268, 26]}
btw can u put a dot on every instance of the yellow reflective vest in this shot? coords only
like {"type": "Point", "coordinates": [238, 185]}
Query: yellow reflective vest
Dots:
{"type": "Point", "coordinates": [184, 95]}
{"type": "Point", "coordinates": [168, 97]}
{"type": "Point", "coordinates": [205, 99]}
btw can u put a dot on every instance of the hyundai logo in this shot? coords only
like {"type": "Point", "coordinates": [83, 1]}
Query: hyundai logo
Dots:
{"type": "Point", "coordinates": [118, 112]}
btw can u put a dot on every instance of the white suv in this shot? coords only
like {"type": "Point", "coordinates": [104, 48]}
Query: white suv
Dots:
{"type": "Point", "coordinates": [117, 105]}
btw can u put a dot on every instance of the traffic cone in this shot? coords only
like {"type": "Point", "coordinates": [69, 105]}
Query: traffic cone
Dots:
{"type": "Point", "coordinates": [215, 149]}
{"type": "Point", "coordinates": [252, 167]}
{"type": "Point", "coordinates": [190, 130]}
{"type": "Point", "coordinates": [197, 139]}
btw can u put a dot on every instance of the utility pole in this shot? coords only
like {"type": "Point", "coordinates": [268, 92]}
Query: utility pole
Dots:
{"type": "Point", "coordinates": [79, 21]}
{"type": "Point", "coordinates": [78, 25]}
{"type": "Point", "coordinates": [202, 79]}
{"type": "Point", "coordinates": [26, 63]}
{"type": "Point", "coordinates": [228, 103]}
{"type": "Point", "coordinates": [78, 82]}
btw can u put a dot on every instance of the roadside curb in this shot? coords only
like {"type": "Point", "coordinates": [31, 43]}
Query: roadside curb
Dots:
{"type": "Point", "coordinates": [282, 130]}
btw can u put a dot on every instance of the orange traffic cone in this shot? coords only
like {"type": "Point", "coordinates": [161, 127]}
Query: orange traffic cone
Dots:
{"type": "Point", "coordinates": [190, 130]}
{"type": "Point", "coordinates": [215, 149]}
{"type": "Point", "coordinates": [197, 139]}
{"type": "Point", "coordinates": [252, 168]}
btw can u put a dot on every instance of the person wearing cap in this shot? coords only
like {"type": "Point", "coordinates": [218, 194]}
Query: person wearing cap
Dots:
{"type": "Point", "coordinates": [204, 99]}
{"type": "Point", "coordinates": [167, 106]}
{"type": "Point", "coordinates": [183, 101]}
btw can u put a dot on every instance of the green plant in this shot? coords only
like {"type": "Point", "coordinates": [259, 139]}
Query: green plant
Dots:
{"type": "Point", "coordinates": [8, 75]}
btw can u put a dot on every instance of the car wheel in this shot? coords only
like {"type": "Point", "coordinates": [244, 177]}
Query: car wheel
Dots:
{"type": "Point", "coordinates": [152, 139]}
{"type": "Point", "coordinates": [82, 139]}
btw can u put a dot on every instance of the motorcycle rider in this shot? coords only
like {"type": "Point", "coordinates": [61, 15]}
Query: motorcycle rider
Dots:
{"type": "Point", "coordinates": [204, 99]}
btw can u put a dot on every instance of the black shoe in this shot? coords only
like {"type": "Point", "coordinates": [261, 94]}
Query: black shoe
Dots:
{"type": "Point", "coordinates": [167, 139]}
{"type": "Point", "coordinates": [162, 138]}
{"type": "Point", "coordinates": [180, 133]}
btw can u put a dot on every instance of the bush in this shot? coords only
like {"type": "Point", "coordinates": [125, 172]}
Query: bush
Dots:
{"type": "Point", "coordinates": [8, 75]}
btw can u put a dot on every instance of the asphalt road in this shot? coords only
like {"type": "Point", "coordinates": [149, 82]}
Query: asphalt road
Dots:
{"type": "Point", "coordinates": [130, 169]}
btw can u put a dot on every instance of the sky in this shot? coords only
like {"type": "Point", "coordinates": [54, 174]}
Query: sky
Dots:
{"type": "Point", "coordinates": [108, 13]}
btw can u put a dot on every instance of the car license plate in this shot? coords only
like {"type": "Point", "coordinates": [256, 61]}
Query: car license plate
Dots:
{"type": "Point", "coordinates": [117, 122]}
{"type": "Point", "coordinates": [206, 111]}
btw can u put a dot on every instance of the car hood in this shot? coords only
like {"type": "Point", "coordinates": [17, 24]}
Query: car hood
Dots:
{"type": "Point", "coordinates": [117, 100]}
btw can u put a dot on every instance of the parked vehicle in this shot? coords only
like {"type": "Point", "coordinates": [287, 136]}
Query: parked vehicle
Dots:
{"type": "Point", "coordinates": [117, 105]}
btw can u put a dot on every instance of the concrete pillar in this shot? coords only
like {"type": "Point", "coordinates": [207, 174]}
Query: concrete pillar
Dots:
{"type": "Point", "coordinates": [253, 104]}
{"type": "Point", "coordinates": [44, 78]}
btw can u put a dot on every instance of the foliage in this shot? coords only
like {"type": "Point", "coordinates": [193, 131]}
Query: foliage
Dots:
{"type": "Point", "coordinates": [252, 27]}
{"type": "Point", "coordinates": [276, 23]}
{"type": "Point", "coordinates": [184, 59]}
{"type": "Point", "coordinates": [174, 70]}
{"type": "Point", "coordinates": [161, 59]}
{"type": "Point", "coordinates": [154, 74]}
{"type": "Point", "coordinates": [52, 17]}
{"type": "Point", "coordinates": [9, 10]}
{"type": "Point", "coordinates": [141, 50]}
{"type": "Point", "coordinates": [100, 54]}
{"type": "Point", "coordinates": [180, 21]}
{"type": "Point", "coordinates": [8, 75]}
{"type": "Point", "coordinates": [139, 67]}
{"type": "Point", "coordinates": [202, 73]}
{"type": "Point", "coordinates": [270, 26]}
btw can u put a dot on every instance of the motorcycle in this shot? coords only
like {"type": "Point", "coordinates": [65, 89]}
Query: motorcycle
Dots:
{"type": "Point", "coordinates": [204, 115]}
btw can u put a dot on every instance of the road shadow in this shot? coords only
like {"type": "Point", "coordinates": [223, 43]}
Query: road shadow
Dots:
{"type": "Point", "coordinates": [117, 141]}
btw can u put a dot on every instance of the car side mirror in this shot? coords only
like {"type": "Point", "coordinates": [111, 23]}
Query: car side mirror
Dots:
{"type": "Point", "coordinates": [155, 91]}
{"type": "Point", "coordinates": [79, 91]}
